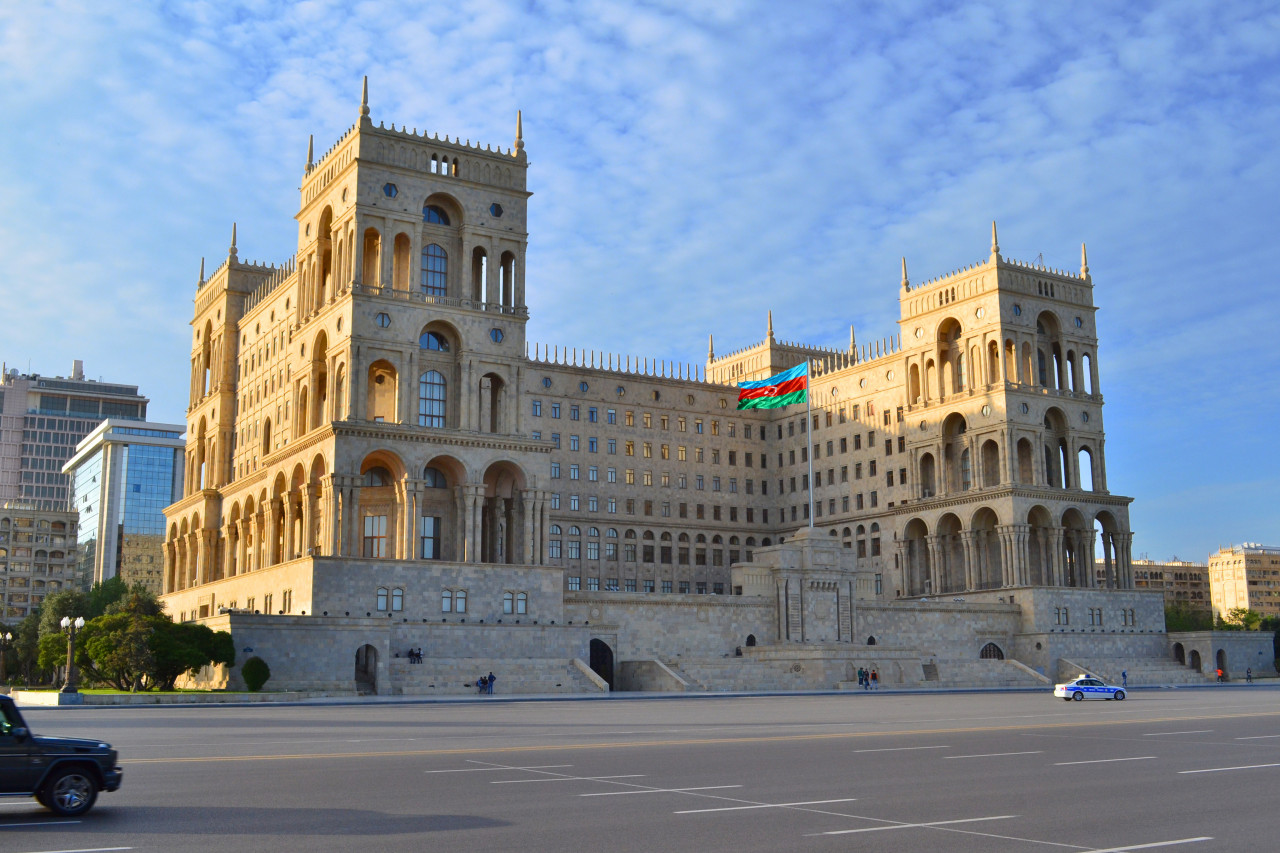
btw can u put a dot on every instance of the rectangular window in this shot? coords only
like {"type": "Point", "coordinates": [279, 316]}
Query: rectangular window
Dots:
{"type": "Point", "coordinates": [573, 442]}
{"type": "Point", "coordinates": [575, 583]}
{"type": "Point", "coordinates": [537, 408]}
{"type": "Point", "coordinates": [629, 585]}
{"type": "Point", "coordinates": [593, 504]}
{"type": "Point", "coordinates": [593, 474]}
{"type": "Point", "coordinates": [630, 448]}
{"type": "Point", "coordinates": [630, 476]}
{"type": "Point", "coordinates": [555, 439]}
{"type": "Point", "coordinates": [573, 471]}
{"type": "Point", "coordinates": [613, 447]}
{"type": "Point", "coordinates": [593, 414]}
{"type": "Point", "coordinates": [684, 587]}
{"type": "Point", "coordinates": [555, 470]}
{"type": "Point", "coordinates": [593, 444]}
{"type": "Point", "coordinates": [555, 410]}
{"type": "Point", "coordinates": [611, 416]}
{"type": "Point", "coordinates": [648, 420]}
{"type": "Point", "coordinates": [573, 503]}
{"type": "Point", "coordinates": [553, 549]}
{"type": "Point", "coordinates": [375, 536]}
{"type": "Point", "coordinates": [574, 549]}
{"type": "Point", "coordinates": [648, 586]}
{"type": "Point", "coordinates": [573, 412]}
{"type": "Point", "coordinates": [611, 474]}
{"type": "Point", "coordinates": [666, 586]}
{"type": "Point", "coordinates": [429, 537]}
{"type": "Point", "coordinates": [593, 584]}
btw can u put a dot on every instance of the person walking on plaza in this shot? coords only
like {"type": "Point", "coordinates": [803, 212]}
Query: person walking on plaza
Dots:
{"type": "Point", "coordinates": [875, 680]}
{"type": "Point", "coordinates": [492, 678]}
{"type": "Point", "coordinates": [1124, 678]}
{"type": "Point", "coordinates": [1248, 675]}
{"type": "Point", "coordinates": [1219, 675]}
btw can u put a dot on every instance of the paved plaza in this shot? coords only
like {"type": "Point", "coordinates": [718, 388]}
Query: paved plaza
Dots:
{"type": "Point", "coordinates": [1191, 768]}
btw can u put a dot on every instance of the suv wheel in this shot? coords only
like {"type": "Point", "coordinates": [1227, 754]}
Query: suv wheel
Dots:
{"type": "Point", "coordinates": [69, 792]}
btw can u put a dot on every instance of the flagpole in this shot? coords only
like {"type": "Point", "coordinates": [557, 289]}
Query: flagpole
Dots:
{"type": "Point", "coordinates": [808, 431]}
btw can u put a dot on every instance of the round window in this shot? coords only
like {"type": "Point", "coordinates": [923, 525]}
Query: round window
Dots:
{"type": "Point", "coordinates": [1084, 416]}
{"type": "Point", "coordinates": [383, 319]}
{"type": "Point", "coordinates": [986, 411]}
{"type": "Point", "coordinates": [390, 190]}
{"type": "Point", "coordinates": [546, 382]}
{"type": "Point", "coordinates": [621, 390]}
{"type": "Point", "coordinates": [496, 335]}
{"type": "Point", "coordinates": [835, 392]}
{"type": "Point", "coordinates": [496, 210]}
{"type": "Point", "coordinates": [980, 313]}
{"type": "Point", "coordinates": [1024, 408]}
{"type": "Point", "coordinates": [339, 324]}
{"type": "Point", "coordinates": [1017, 310]}
{"type": "Point", "coordinates": [889, 375]}
{"type": "Point", "coordinates": [924, 425]}
{"type": "Point", "coordinates": [307, 231]}
{"type": "Point", "coordinates": [919, 332]}
{"type": "Point", "coordinates": [582, 386]}
{"type": "Point", "coordinates": [862, 383]}
{"type": "Point", "coordinates": [1079, 323]}
{"type": "Point", "coordinates": [689, 399]}
{"type": "Point", "coordinates": [344, 193]}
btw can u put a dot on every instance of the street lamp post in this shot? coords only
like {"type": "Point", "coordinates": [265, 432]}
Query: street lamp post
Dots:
{"type": "Point", "coordinates": [71, 627]}
{"type": "Point", "coordinates": [6, 640]}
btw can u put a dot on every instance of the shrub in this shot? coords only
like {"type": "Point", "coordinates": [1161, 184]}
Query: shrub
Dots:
{"type": "Point", "coordinates": [255, 673]}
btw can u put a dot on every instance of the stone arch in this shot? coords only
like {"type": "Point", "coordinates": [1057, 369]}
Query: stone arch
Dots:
{"type": "Point", "coordinates": [952, 568]}
{"type": "Point", "coordinates": [950, 356]}
{"type": "Point", "coordinates": [917, 563]}
{"type": "Point", "coordinates": [1057, 458]}
{"type": "Point", "coordinates": [401, 261]}
{"type": "Point", "coordinates": [1194, 661]}
{"type": "Point", "coordinates": [322, 285]}
{"type": "Point", "coordinates": [1114, 572]}
{"type": "Point", "coordinates": [366, 671]}
{"type": "Point", "coordinates": [1077, 550]}
{"type": "Point", "coordinates": [956, 464]}
{"type": "Point", "coordinates": [991, 652]}
{"type": "Point", "coordinates": [990, 456]}
{"type": "Point", "coordinates": [371, 271]}
{"type": "Point", "coordinates": [1084, 468]}
{"type": "Point", "coordinates": [1050, 364]}
{"type": "Point", "coordinates": [507, 279]}
{"type": "Point", "coordinates": [871, 641]}
{"type": "Point", "coordinates": [381, 506]}
{"type": "Point", "coordinates": [502, 513]}
{"type": "Point", "coordinates": [493, 401]}
{"type": "Point", "coordinates": [988, 555]}
{"type": "Point", "coordinates": [1180, 653]}
{"type": "Point", "coordinates": [601, 657]}
{"type": "Point", "coordinates": [1042, 563]}
{"type": "Point", "coordinates": [928, 476]}
{"type": "Point", "coordinates": [1026, 463]}
{"type": "Point", "coordinates": [382, 392]}
{"type": "Point", "coordinates": [913, 384]}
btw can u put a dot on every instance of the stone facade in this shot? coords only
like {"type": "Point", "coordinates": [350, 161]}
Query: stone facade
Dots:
{"type": "Point", "coordinates": [1245, 576]}
{"type": "Point", "coordinates": [369, 435]}
{"type": "Point", "coordinates": [37, 556]}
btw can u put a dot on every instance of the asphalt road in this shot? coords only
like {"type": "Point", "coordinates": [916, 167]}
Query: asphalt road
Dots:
{"type": "Point", "coordinates": [1186, 769]}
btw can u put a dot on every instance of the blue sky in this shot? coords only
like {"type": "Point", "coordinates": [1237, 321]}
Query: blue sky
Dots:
{"type": "Point", "coordinates": [693, 165]}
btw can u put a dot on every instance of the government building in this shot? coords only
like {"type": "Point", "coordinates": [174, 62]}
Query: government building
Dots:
{"type": "Point", "coordinates": [377, 460]}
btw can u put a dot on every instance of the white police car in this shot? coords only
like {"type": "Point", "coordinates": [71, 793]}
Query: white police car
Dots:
{"type": "Point", "coordinates": [1087, 687]}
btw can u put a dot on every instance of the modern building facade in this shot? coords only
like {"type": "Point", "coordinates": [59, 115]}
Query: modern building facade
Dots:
{"type": "Point", "coordinates": [37, 556]}
{"type": "Point", "coordinates": [1246, 575]}
{"type": "Point", "coordinates": [370, 433]}
{"type": "Point", "coordinates": [123, 475]}
{"type": "Point", "coordinates": [1183, 582]}
{"type": "Point", "coordinates": [42, 419]}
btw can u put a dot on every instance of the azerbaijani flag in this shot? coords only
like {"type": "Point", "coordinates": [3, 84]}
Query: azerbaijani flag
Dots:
{"type": "Point", "coordinates": [783, 389]}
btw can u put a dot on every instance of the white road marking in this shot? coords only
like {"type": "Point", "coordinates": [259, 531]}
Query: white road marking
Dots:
{"type": "Point", "coordinates": [566, 779]}
{"type": "Point", "coordinates": [1153, 844]}
{"type": "Point", "coordinates": [1162, 734]}
{"type": "Point", "coordinates": [766, 806]}
{"type": "Point", "coordinates": [1103, 760]}
{"type": "Point", "coordinates": [84, 850]}
{"type": "Point", "coordinates": [1257, 737]}
{"type": "Point", "coordinates": [899, 749]}
{"type": "Point", "coordinates": [1221, 769]}
{"type": "Point", "coordinates": [916, 825]}
{"type": "Point", "coordinates": [660, 791]}
{"type": "Point", "coordinates": [994, 754]}
{"type": "Point", "coordinates": [475, 769]}
{"type": "Point", "coordinates": [40, 823]}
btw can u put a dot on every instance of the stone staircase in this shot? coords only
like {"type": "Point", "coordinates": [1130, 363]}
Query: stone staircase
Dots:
{"type": "Point", "coordinates": [1143, 672]}
{"type": "Point", "coordinates": [984, 673]}
{"type": "Point", "coordinates": [455, 676]}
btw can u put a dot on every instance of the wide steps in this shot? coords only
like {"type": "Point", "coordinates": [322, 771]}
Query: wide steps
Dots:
{"type": "Point", "coordinates": [457, 676]}
{"type": "Point", "coordinates": [1143, 672]}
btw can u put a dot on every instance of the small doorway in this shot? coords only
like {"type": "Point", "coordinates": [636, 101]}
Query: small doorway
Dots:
{"type": "Point", "coordinates": [602, 661]}
{"type": "Point", "coordinates": [991, 652]}
{"type": "Point", "coordinates": [367, 670]}
{"type": "Point", "coordinates": [1221, 658]}
{"type": "Point", "coordinates": [1195, 661]}
{"type": "Point", "coordinates": [1180, 653]}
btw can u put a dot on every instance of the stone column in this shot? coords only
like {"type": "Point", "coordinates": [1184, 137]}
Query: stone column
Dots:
{"type": "Point", "coordinates": [288, 513]}
{"type": "Point", "coordinates": [1124, 556]}
{"type": "Point", "coordinates": [527, 513]}
{"type": "Point", "coordinates": [935, 558]}
{"type": "Point", "coordinates": [486, 405]}
{"type": "Point", "coordinates": [970, 559]}
{"type": "Point", "coordinates": [355, 536]}
{"type": "Point", "coordinates": [306, 494]}
{"type": "Point", "coordinates": [1055, 544]}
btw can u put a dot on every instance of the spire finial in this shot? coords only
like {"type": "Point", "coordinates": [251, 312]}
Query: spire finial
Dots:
{"type": "Point", "coordinates": [519, 131]}
{"type": "Point", "coordinates": [202, 270]}
{"type": "Point", "coordinates": [906, 283]}
{"type": "Point", "coordinates": [770, 325]}
{"type": "Point", "coordinates": [364, 98]}
{"type": "Point", "coordinates": [853, 339]}
{"type": "Point", "coordinates": [995, 245]}
{"type": "Point", "coordinates": [711, 347]}
{"type": "Point", "coordinates": [232, 251]}
{"type": "Point", "coordinates": [1084, 262]}
{"type": "Point", "coordinates": [311, 151]}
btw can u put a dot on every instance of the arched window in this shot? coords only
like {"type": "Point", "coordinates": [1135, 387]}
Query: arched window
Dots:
{"type": "Point", "coordinates": [508, 603]}
{"type": "Point", "coordinates": [431, 399]}
{"type": "Point", "coordinates": [433, 341]}
{"type": "Point", "coordinates": [435, 269]}
{"type": "Point", "coordinates": [377, 476]}
{"type": "Point", "coordinates": [991, 652]}
{"type": "Point", "coordinates": [434, 214]}
{"type": "Point", "coordinates": [446, 601]}
{"type": "Point", "coordinates": [397, 599]}
{"type": "Point", "coordinates": [382, 598]}
{"type": "Point", "coordinates": [555, 530]}
{"type": "Point", "coordinates": [433, 478]}
{"type": "Point", "coordinates": [522, 603]}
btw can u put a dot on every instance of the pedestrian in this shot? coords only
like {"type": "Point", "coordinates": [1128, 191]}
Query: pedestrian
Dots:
{"type": "Point", "coordinates": [875, 680]}
{"type": "Point", "coordinates": [483, 684]}
{"type": "Point", "coordinates": [492, 678]}
{"type": "Point", "coordinates": [1124, 678]}
{"type": "Point", "coordinates": [1248, 675]}
{"type": "Point", "coordinates": [1219, 675]}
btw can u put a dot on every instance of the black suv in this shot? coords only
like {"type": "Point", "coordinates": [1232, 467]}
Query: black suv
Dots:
{"type": "Point", "coordinates": [64, 774]}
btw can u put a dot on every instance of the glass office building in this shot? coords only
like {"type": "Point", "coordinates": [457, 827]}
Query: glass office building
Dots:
{"type": "Point", "coordinates": [122, 476]}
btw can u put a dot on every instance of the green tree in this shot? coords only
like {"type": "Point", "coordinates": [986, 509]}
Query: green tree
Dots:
{"type": "Point", "coordinates": [184, 647]}
{"type": "Point", "coordinates": [137, 600]}
{"type": "Point", "coordinates": [1181, 617]}
{"type": "Point", "coordinates": [104, 594]}
{"type": "Point", "coordinates": [26, 644]}
{"type": "Point", "coordinates": [1241, 619]}
{"type": "Point", "coordinates": [115, 649]}
{"type": "Point", "coordinates": [70, 602]}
